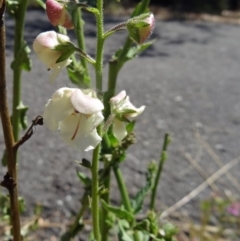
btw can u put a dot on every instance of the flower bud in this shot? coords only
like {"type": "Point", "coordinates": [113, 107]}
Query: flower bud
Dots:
{"type": "Point", "coordinates": [141, 27]}
{"type": "Point", "coordinates": [58, 14]}
{"type": "Point", "coordinates": [45, 47]}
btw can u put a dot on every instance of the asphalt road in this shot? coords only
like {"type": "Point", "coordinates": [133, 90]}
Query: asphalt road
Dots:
{"type": "Point", "coordinates": [190, 83]}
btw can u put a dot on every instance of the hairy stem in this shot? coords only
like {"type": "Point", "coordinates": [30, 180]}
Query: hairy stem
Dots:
{"type": "Point", "coordinates": [95, 196]}
{"type": "Point", "coordinates": [8, 133]}
{"type": "Point", "coordinates": [17, 70]}
{"type": "Point", "coordinates": [100, 42]}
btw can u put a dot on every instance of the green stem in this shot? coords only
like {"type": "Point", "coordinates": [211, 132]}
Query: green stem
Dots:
{"type": "Point", "coordinates": [106, 197]}
{"type": "Point", "coordinates": [162, 159]}
{"type": "Point", "coordinates": [79, 30]}
{"type": "Point", "coordinates": [95, 197]}
{"type": "Point", "coordinates": [17, 71]}
{"type": "Point", "coordinates": [11, 182]}
{"type": "Point", "coordinates": [124, 195]}
{"type": "Point", "coordinates": [122, 188]}
{"type": "Point", "coordinates": [96, 152]}
{"type": "Point", "coordinates": [100, 42]}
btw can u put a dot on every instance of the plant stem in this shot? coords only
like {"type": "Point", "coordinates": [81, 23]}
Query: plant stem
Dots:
{"type": "Point", "coordinates": [95, 197]}
{"type": "Point", "coordinates": [105, 197]}
{"type": "Point", "coordinates": [96, 152]}
{"type": "Point", "coordinates": [17, 71]}
{"type": "Point", "coordinates": [162, 159]}
{"type": "Point", "coordinates": [124, 194]}
{"type": "Point", "coordinates": [122, 188]}
{"type": "Point", "coordinates": [8, 133]}
{"type": "Point", "coordinates": [79, 30]}
{"type": "Point", "coordinates": [100, 42]}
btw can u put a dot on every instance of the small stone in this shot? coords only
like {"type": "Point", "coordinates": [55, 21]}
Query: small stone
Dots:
{"type": "Point", "coordinates": [199, 125]}
{"type": "Point", "coordinates": [68, 198]}
{"type": "Point", "coordinates": [59, 202]}
{"type": "Point", "coordinates": [178, 98]}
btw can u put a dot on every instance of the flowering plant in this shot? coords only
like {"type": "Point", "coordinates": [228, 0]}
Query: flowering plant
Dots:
{"type": "Point", "coordinates": [87, 117]}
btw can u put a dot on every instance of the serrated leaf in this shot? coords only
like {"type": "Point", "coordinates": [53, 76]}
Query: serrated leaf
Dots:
{"type": "Point", "coordinates": [119, 212]}
{"type": "Point", "coordinates": [84, 179]}
{"type": "Point", "coordinates": [22, 58]}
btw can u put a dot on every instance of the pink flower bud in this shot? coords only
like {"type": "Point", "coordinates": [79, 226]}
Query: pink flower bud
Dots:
{"type": "Point", "coordinates": [140, 29]}
{"type": "Point", "coordinates": [58, 14]}
{"type": "Point", "coordinates": [146, 32]}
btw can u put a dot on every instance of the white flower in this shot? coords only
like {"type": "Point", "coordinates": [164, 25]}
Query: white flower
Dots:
{"type": "Point", "coordinates": [76, 115]}
{"type": "Point", "coordinates": [44, 46]}
{"type": "Point", "coordinates": [123, 109]}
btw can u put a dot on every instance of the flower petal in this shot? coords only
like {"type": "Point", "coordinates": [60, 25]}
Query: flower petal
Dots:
{"type": "Point", "coordinates": [58, 108]}
{"type": "Point", "coordinates": [119, 129]}
{"type": "Point", "coordinates": [120, 96]}
{"type": "Point", "coordinates": [85, 104]}
{"type": "Point", "coordinates": [78, 132]}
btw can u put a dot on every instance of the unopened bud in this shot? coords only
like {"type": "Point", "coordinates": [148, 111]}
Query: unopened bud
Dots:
{"type": "Point", "coordinates": [58, 14]}
{"type": "Point", "coordinates": [140, 28]}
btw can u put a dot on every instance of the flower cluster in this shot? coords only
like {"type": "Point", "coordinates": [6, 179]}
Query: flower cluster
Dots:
{"type": "Point", "coordinates": [77, 113]}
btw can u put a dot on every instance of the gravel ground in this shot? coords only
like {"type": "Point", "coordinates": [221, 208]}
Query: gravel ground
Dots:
{"type": "Point", "coordinates": [189, 81]}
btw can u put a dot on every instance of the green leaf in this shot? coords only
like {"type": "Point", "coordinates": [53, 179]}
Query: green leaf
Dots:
{"type": "Point", "coordinates": [122, 233]}
{"type": "Point", "coordinates": [143, 225]}
{"type": "Point", "coordinates": [134, 51]}
{"type": "Point", "coordinates": [137, 25]}
{"type": "Point", "coordinates": [130, 126]}
{"type": "Point", "coordinates": [66, 55]}
{"type": "Point", "coordinates": [85, 163]}
{"type": "Point", "coordinates": [119, 212]}
{"type": "Point", "coordinates": [22, 58]}
{"type": "Point", "coordinates": [23, 117]}
{"type": "Point", "coordinates": [169, 230]}
{"type": "Point", "coordinates": [76, 73]}
{"type": "Point", "coordinates": [84, 179]}
{"type": "Point", "coordinates": [41, 4]}
{"type": "Point", "coordinates": [137, 10]}
{"type": "Point", "coordinates": [137, 201]}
